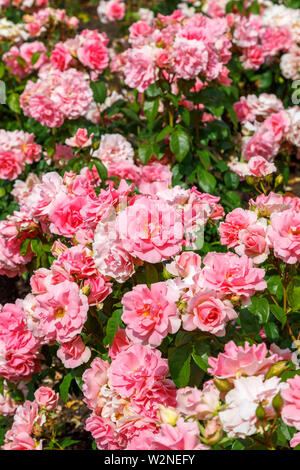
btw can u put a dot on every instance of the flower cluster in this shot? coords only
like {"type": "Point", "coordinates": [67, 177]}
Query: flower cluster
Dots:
{"type": "Point", "coordinates": [57, 96]}
{"type": "Point", "coordinates": [267, 128]}
{"type": "Point", "coordinates": [175, 46]}
{"type": "Point", "coordinates": [89, 48]}
{"type": "Point", "coordinates": [28, 421]}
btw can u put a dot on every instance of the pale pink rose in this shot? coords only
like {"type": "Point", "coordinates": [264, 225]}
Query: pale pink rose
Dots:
{"type": "Point", "coordinates": [208, 313]}
{"type": "Point", "coordinates": [148, 404]}
{"type": "Point", "coordinates": [260, 167]}
{"type": "Point", "coordinates": [103, 431]}
{"type": "Point", "coordinates": [150, 314]}
{"type": "Point", "coordinates": [154, 177]}
{"type": "Point", "coordinates": [22, 189]}
{"type": "Point", "coordinates": [136, 370]}
{"type": "Point", "coordinates": [73, 95]}
{"type": "Point", "coordinates": [290, 64]}
{"type": "Point", "coordinates": [22, 441]}
{"type": "Point", "coordinates": [139, 70]}
{"type": "Point", "coordinates": [275, 40]}
{"type": "Point", "coordinates": [150, 229]}
{"type": "Point", "coordinates": [239, 418]}
{"type": "Point", "coordinates": [253, 242]}
{"type": "Point", "coordinates": [295, 440]}
{"type": "Point", "coordinates": [138, 31]}
{"type": "Point", "coordinates": [120, 343]}
{"type": "Point", "coordinates": [113, 149]}
{"type": "Point", "coordinates": [278, 123]}
{"type": "Point", "coordinates": [235, 221]}
{"type": "Point", "coordinates": [94, 54]}
{"type": "Point", "coordinates": [93, 380]}
{"type": "Point", "coordinates": [11, 165]}
{"type": "Point", "coordinates": [228, 273]}
{"type": "Point", "coordinates": [61, 312]}
{"type": "Point", "coordinates": [98, 289]}
{"type": "Point", "coordinates": [266, 205]}
{"type": "Point", "coordinates": [111, 10]}
{"type": "Point", "coordinates": [284, 235]}
{"type": "Point", "coordinates": [19, 357]}
{"type": "Point", "coordinates": [237, 360]}
{"type": "Point", "coordinates": [261, 106]}
{"type": "Point", "coordinates": [202, 404]}
{"type": "Point", "coordinates": [65, 215]}
{"type": "Point", "coordinates": [183, 436]}
{"type": "Point", "coordinates": [74, 353]}
{"type": "Point", "coordinates": [185, 264]}
{"type": "Point", "coordinates": [40, 281]}
{"type": "Point", "coordinates": [111, 259]}
{"type": "Point", "coordinates": [262, 144]}
{"type": "Point", "coordinates": [80, 139]}
{"type": "Point", "coordinates": [60, 57]}
{"type": "Point", "coordinates": [46, 111]}
{"type": "Point", "coordinates": [290, 412]}
{"type": "Point", "coordinates": [190, 58]}
{"type": "Point", "coordinates": [246, 32]}
{"type": "Point", "coordinates": [46, 398]}
{"type": "Point", "coordinates": [242, 110]}
{"type": "Point", "coordinates": [74, 263]}
{"type": "Point", "coordinates": [143, 441]}
{"type": "Point", "coordinates": [253, 57]}
{"type": "Point", "coordinates": [125, 170]}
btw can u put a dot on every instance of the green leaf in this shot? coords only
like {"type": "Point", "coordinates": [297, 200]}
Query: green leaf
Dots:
{"type": "Point", "coordinates": [112, 327]}
{"type": "Point", "coordinates": [151, 274]}
{"type": "Point", "coordinates": [37, 246]}
{"type": "Point", "coordinates": [204, 156]}
{"type": "Point", "coordinates": [260, 307]}
{"type": "Point", "coordinates": [151, 109]}
{"type": "Point", "coordinates": [180, 144]}
{"type": "Point", "coordinates": [180, 365]}
{"type": "Point", "coordinates": [231, 180]}
{"type": "Point", "coordinates": [101, 168]}
{"type": "Point", "coordinates": [64, 387]}
{"type": "Point", "coordinates": [153, 91]}
{"type": "Point", "coordinates": [164, 133]}
{"type": "Point", "coordinates": [185, 114]}
{"type": "Point", "coordinates": [99, 90]}
{"type": "Point", "coordinates": [35, 57]}
{"type": "Point", "coordinates": [145, 153]}
{"type": "Point", "coordinates": [13, 102]}
{"type": "Point", "coordinates": [201, 361]}
{"type": "Point", "coordinates": [248, 321]}
{"type": "Point", "coordinates": [206, 180]}
{"type": "Point", "coordinates": [275, 287]}
{"type": "Point", "coordinates": [271, 330]}
{"type": "Point", "coordinates": [293, 294]}
{"type": "Point", "coordinates": [25, 246]}
{"type": "Point", "coordinates": [278, 313]}
{"type": "Point", "coordinates": [67, 442]}
{"type": "Point", "coordinates": [21, 61]}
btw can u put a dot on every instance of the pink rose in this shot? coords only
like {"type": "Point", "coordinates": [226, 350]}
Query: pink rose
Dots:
{"type": "Point", "coordinates": [94, 54]}
{"type": "Point", "coordinates": [150, 314]}
{"type": "Point", "coordinates": [284, 235]}
{"type": "Point", "coordinates": [242, 360]}
{"type": "Point", "coordinates": [61, 312]}
{"type": "Point", "coordinates": [46, 398]}
{"type": "Point", "coordinates": [208, 313]}
{"type": "Point", "coordinates": [74, 353]}
{"type": "Point", "coordinates": [11, 165]}
{"type": "Point", "coordinates": [228, 273]}
{"type": "Point", "coordinates": [136, 370]}
{"type": "Point", "coordinates": [80, 139]}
